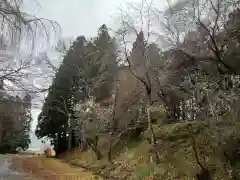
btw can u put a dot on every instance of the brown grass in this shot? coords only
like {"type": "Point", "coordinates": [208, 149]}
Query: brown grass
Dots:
{"type": "Point", "coordinates": [51, 169]}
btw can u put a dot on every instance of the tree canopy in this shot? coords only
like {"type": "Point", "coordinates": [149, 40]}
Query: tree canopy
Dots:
{"type": "Point", "coordinates": [110, 90]}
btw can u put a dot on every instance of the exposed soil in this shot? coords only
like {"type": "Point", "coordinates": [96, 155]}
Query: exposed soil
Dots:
{"type": "Point", "coordinates": [51, 169]}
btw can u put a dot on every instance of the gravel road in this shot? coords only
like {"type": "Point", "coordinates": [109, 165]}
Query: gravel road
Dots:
{"type": "Point", "coordinates": [6, 173]}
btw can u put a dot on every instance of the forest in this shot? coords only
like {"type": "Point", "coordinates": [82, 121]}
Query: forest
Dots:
{"type": "Point", "coordinates": [157, 95]}
{"type": "Point", "coordinates": [110, 91]}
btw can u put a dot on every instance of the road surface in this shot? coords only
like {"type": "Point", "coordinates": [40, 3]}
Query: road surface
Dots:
{"type": "Point", "coordinates": [6, 173]}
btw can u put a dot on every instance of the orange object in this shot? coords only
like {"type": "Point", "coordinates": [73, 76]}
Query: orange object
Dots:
{"type": "Point", "coordinates": [50, 152]}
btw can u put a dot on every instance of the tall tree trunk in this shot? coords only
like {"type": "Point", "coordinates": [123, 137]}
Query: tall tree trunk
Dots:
{"type": "Point", "coordinates": [94, 148]}
{"type": "Point", "coordinates": [1, 130]}
{"type": "Point", "coordinates": [150, 127]}
{"type": "Point", "coordinates": [56, 145]}
{"type": "Point", "coordinates": [114, 125]}
{"type": "Point", "coordinates": [69, 132]}
{"type": "Point", "coordinates": [110, 148]}
{"type": "Point", "coordinates": [183, 109]}
{"type": "Point", "coordinates": [204, 174]}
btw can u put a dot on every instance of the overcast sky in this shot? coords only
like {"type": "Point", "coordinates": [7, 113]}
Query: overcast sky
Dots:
{"type": "Point", "coordinates": [77, 17]}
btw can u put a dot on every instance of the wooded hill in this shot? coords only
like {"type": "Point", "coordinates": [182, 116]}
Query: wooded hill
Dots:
{"type": "Point", "coordinates": [106, 94]}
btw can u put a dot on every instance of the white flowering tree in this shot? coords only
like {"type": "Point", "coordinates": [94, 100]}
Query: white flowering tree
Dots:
{"type": "Point", "coordinates": [93, 120]}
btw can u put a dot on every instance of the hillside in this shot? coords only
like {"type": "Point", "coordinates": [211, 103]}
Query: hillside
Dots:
{"type": "Point", "coordinates": [125, 106]}
{"type": "Point", "coordinates": [177, 157]}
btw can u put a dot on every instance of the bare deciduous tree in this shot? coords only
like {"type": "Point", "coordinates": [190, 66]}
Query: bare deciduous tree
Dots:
{"type": "Point", "coordinates": [139, 67]}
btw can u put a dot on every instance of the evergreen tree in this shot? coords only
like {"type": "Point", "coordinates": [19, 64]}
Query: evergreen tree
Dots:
{"type": "Point", "coordinates": [26, 124]}
{"type": "Point", "coordinates": [106, 51]}
{"type": "Point", "coordinates": [87, 70]}
{"type": "Point", "coordinates": [53, 120]}
{"type": "Point", "coordinates": [153, 56]}
{"type": "Point", "coordinates": [15, 123]}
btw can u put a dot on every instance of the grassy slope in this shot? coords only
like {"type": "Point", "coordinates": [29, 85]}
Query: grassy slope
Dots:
{"type": "Point", "coordinates": [175, 149]}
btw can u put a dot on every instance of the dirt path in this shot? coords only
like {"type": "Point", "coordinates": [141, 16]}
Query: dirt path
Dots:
{"type": "Point", "coordinates": [52, 169]}
{"type": "Point", "coordinates": [7, 173]}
